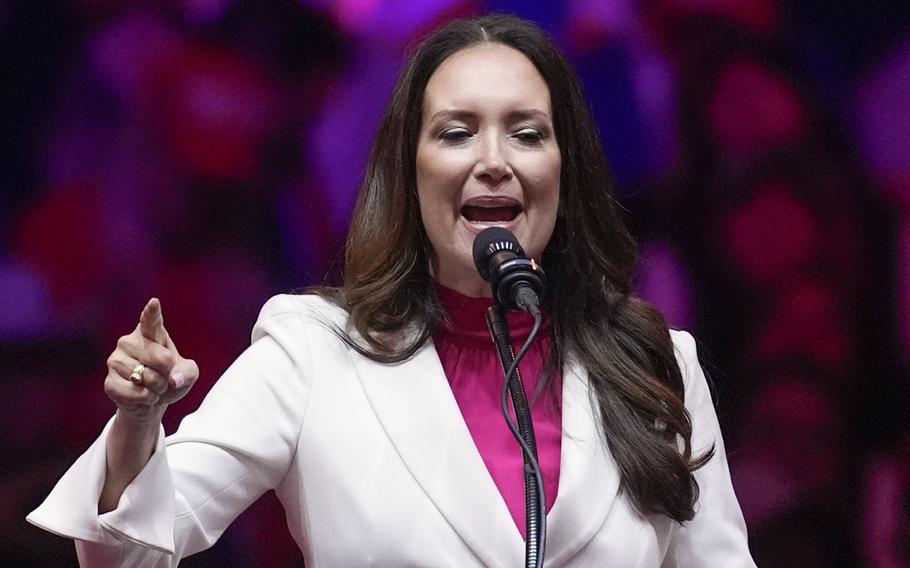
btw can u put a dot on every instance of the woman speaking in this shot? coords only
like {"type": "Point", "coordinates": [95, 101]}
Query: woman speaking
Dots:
{"type": "Point", "coordinates": [373, 409]}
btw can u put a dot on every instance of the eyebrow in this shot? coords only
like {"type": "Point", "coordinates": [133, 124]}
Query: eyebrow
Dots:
{"type": "Point", "coordinates": [512, 115]}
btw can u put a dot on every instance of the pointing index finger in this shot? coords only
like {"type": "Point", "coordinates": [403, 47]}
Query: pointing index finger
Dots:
{"type": "Point", "coordinates": [151, 322]}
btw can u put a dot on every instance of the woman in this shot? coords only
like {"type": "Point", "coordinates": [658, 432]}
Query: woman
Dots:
{"type": "Point", "coordinates": [367, 408]}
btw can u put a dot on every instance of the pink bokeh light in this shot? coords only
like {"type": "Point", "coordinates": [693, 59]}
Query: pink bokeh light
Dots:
{"type": "Point", "coordinates": [772, 234]}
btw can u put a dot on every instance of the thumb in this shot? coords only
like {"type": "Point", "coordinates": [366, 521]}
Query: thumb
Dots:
{"type": "Point", "coordinates": [183, 374]}
{"type": "Point", "coordinates": [151, 323]}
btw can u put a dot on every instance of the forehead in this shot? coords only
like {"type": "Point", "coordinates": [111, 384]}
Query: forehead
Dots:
{"type": "Point", "coordinates": [486, 76]}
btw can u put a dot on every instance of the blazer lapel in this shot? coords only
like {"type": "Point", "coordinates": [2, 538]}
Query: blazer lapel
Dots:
{"type": "Point", "coordinates": [588, 476]}
{"type": "Point", "coordinates": [418, 411]}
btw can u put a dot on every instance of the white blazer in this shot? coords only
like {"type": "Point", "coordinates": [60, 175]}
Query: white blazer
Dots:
{"type": "Point", "coordinates": [375, 466]}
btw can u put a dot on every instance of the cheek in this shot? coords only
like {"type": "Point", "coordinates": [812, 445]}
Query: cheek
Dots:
{"type": "Point", "coordinates": [439, 196]}
{"type": "Point", "coordinates": [436, 194]}
{"type": "Point", "coordinates": [545, 187]}
{"type": "Point", "coordinates": [437, 175]}
{"type": "Point", "coordinates": [426, 190]}
{"type": "Point", "coordinates": [547, 200]}
{"type": "Point", "coordinates": [431, 216]}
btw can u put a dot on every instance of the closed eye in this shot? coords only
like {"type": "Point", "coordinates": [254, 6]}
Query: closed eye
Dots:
{"type": "Point", "coordinates": [456, 134]}
{"type": "Point", "coordinates": [529, 135]}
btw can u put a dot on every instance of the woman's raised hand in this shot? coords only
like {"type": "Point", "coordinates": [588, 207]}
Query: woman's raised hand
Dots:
{"type": "Point", "coordinates": [146, 372]}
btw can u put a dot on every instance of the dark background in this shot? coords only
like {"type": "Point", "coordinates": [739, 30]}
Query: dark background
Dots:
{"type": "Point", "coordinates": [208, 152]}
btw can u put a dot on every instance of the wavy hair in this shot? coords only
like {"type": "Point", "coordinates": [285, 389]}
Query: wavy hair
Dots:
{"type": "Point", "coordinates": [622, 342]}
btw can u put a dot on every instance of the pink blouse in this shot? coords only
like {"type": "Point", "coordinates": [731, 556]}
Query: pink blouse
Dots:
{"type": "Point", "coordinates": [475, 374]}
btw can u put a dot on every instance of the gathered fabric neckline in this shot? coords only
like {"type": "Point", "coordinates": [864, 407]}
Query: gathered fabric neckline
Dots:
{"type": "Point", "coordinates": [474, 372]}
{"type": "Point", "coordinates": [467, 320]}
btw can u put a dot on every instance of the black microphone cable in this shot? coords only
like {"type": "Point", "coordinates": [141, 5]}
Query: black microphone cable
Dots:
{"type": "Point", "coordinates": [517, 283]}
{"type": "Point", "coordinates": [536, 512]}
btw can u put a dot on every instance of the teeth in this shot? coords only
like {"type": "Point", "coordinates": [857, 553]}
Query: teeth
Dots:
{"type": "Point", "coordinates": [490, 215]}
{"type": "Point", "coordinates": [487, 205]}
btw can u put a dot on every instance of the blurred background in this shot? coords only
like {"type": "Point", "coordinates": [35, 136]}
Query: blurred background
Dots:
{"type": "Point", "coordinates": [208, 152]}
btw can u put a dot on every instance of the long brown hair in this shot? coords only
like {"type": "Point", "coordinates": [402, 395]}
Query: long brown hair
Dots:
{"type": "Point", "coordinates": [622, 342]}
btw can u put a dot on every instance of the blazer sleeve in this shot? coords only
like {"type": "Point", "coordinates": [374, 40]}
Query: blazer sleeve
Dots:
{"type": "Point", "coordinates": [237, 445]}
{"type": "Point", "coordinates": [716, 536]}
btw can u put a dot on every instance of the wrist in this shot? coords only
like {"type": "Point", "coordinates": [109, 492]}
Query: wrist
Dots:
{"type": "Point", "coordinates": [139, 421]}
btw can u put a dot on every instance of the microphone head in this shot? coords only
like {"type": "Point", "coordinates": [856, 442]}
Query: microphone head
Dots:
{"type": "Point", "coordinates": [489, 242]}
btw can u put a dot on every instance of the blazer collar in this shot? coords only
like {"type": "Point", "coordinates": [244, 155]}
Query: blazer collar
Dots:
{"type": "Point", "coordinates": [418, 411]}
{"type": "Point", "coordinates": [588, 476]}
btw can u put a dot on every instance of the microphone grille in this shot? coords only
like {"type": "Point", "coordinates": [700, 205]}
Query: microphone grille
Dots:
{"type": "Point", "coordinates": [491, 241]}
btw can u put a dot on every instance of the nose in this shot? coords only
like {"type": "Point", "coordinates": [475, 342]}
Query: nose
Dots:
{"type": "Point", "coordinates": [492, 164]}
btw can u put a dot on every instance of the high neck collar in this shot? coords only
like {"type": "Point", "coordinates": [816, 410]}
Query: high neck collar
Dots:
{"type": "Point", "coordinates": [467, 319]}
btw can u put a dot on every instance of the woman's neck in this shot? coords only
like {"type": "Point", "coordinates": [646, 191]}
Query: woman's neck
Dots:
{"type": "Point", "coordinates": [467, 283]}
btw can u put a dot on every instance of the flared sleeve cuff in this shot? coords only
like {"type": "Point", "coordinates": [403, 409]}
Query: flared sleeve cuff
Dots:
{"type": "Point", "coordinates": [144, 514]}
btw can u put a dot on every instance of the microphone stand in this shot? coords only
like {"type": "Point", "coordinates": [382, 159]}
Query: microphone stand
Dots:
{"type": "Point", "coordinates": [535, 502]}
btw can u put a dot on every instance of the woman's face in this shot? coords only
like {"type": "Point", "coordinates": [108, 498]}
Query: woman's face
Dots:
{"type": "Point", "coordinates": [487, 156]}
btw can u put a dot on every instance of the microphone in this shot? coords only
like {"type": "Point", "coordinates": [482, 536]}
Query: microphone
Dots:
{"type": "Point", "coordinates": [518, 282]}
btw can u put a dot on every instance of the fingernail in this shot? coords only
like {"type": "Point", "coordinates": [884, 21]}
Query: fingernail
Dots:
{"type": "Point", "coordinates": [179, 379]}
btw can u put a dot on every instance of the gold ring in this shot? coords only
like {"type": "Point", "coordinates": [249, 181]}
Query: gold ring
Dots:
{"type": "Point", "coordinates": [136, 375]}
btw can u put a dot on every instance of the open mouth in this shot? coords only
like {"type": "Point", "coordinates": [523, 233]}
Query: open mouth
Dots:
{"type": "Point", "coordinates": [490, 214]}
